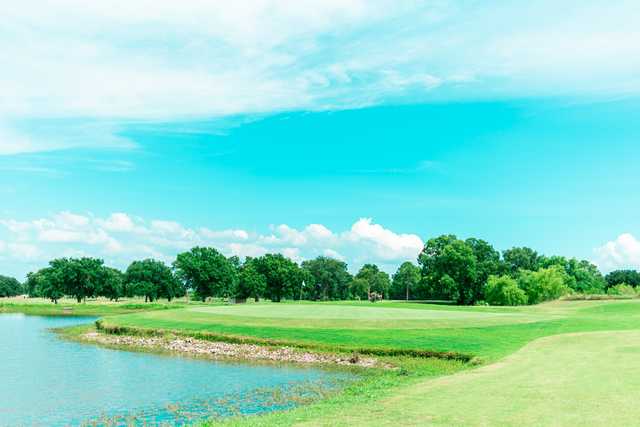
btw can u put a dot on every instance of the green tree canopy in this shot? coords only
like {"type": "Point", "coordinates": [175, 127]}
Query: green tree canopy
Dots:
{"type": "Point", "coordinates": [583, 276]}
{"type": "Point", "coordinates": [112, 284]}
{"type": "Point", "coordinates": [516, 259]}
{"type": "Point", "coordinates": [283, 276]}
{"type": "Point", "coordinates": [207, 272]}
{"type": "Point", "coordinates": [377, 281]}
{"type": "Point", "coordinates": [152, 279]}
{"type": "Point", "coordinates": [405, 281]}
{"type": "Point", "coordinates": [80, 278]}
{"type": "Point", "coordinates": [449, 270]}
{"type": "Point", "coordinates": [250, 282]}
{"type": "Point", "coordinates": [10, 287]}
{"type": "Point", "coordinates": [328, 277]}
{"type": "Point", "coordinates": [617, 277]}
{"type": "Point", "coordinates": [504, 290]}
{"type": "Point", "coordinates": [546, 284]}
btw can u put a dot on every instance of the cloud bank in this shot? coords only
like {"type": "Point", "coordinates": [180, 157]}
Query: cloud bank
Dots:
{"type": "Point", "coordinates": [121, 238]}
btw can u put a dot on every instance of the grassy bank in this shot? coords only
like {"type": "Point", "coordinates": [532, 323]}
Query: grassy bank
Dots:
{"type": "Point", "coordinates": [70, 307]}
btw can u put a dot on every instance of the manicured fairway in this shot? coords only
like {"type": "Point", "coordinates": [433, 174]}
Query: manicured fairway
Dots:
{"type": "Point", "coordinates": [336, 312]}
{"type": "Point", "coordinates": [489, 333]}
{"type": "Point", "coordinates": [588, 379]}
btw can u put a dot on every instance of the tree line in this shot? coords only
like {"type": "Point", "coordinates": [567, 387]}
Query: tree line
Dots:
{"type": "Point", "coordinates": [449, 269]}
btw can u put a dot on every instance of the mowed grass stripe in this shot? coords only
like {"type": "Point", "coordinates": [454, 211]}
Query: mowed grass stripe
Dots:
{"type": "Point", "coordinates": [572, 379]}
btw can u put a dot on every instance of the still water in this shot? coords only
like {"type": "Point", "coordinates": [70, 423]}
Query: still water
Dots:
{"type": "Point", "coordinates": [46, 381]}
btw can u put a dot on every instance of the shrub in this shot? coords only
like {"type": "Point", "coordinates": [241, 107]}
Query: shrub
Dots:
{"type": "Point", "coordinates": [622, 289]}
{"type": "Point", "coordinates": [503, 290]}
{"type": "Point", "coordinates": [545, 284]}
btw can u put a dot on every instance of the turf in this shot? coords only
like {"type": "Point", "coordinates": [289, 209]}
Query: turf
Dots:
{"type": "Point", "coordinates": [564, 380]}
{"type": "Point", "coordinates": [484, 333]}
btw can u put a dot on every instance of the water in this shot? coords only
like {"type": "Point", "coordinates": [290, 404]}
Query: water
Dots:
{"type": "Point", "coordinates": [46, 381]}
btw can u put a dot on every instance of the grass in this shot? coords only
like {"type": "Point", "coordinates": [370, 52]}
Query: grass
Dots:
{"type": "Point", "coordinates": [94, 307]}
{"type": "Point", "coordinates": [482, 332]}
{"type": "Point", "coordinates": [552, 364]}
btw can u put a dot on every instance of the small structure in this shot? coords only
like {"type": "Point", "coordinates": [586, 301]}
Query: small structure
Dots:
{"type": "Point", "coordinates": [374, 296]}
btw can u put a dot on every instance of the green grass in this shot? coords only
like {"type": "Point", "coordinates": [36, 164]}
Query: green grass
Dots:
{"type": "Point", "coordinates": [482, 332]}
{"type": "Point", "coordinates": [69, 307]}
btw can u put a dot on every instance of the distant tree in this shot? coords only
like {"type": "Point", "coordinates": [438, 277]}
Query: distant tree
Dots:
{"type": "Point", "coordinates": [449, 270]}
{"type": "Point", "coordinates": [617, 277]}
{"type": "Point", "coordinates": [504, 290]}
{"type": "Point", "coordinates": [10, 287]}
{"type": "Point", "coordinates": [153, 280]}
{"type": "Point", "coordinates": [47, 283]}
{"type": "Point", "coordinates": [377, 281]}
{"type": "Point", "coordinates": [283, 276]}
{"type": "Point", "coordinates": [516, 259]}
{"type": "Point", "coordinates": [80, 278]}
{"type": "Point", "coordinates": [622, 289]}
{"type": "Point", "coordinates": [359, 288]}
{"type": "Point", "coordinates": [250, 282]}
{"type": "Point", "coordinates": [405, 281]}
{"type": "Point", "coordinates": [546, 284]}
{"type": "Point", "coordinates": [583, 276]}
{"type": "Point", "coordinates": [488, 263]}
{"type": "Point", "coordinates": [207, 272]}
{"type": "Point", "coordinates": [112, 284]}
{"type": "Point", "coordinates": [328, 279]}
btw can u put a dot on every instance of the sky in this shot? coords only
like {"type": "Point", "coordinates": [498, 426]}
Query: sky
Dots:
{"type": "Point", "coordinates": [351, 129]}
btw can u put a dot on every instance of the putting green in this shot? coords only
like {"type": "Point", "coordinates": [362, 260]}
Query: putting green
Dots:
{"type": "Point", "coordinates": [343, 312]}
{"type": "Point", "coordinates": [586, 379]}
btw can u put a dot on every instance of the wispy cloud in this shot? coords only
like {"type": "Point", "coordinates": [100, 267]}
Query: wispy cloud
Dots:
{"type": "Point", "coordinates": [158, 61]}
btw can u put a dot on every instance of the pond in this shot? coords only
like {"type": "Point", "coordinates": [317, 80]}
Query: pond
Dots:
{"type": "Point", "coordinates": [46, 381]}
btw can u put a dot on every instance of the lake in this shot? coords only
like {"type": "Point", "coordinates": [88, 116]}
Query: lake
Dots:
{"type": "Point", "coordinates": [47, 381]}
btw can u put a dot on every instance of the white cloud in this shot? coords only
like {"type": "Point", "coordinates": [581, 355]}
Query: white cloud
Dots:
{"type": "Point", "coordinates": [120, 238]}
{"type": "Point", "coordinates": [386, 244]}
{"type": "Point", "coordinates": [108, 64]}
{"type": "Point", "coordinates": [623, 252]}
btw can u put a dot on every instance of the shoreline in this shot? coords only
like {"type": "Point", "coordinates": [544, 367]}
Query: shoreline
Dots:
{"type": "Point", "coordinates": [218, 350]}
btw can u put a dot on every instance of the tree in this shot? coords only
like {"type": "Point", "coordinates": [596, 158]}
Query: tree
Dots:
{"type": "Point", "coordinates": [449, 270]}
{"type": "Point", "coordinates": [10, 287]}
{"type": "Point", "coordinates": [81, 278]}
{"type": "Point", "coordinates": [359, 288]}
{"type": "Point", "coordinates": [112, 284]}
{"type": "Point", "coordinates": [584, 277]}
{"type": "Point", "coordinates": [153, 280]}
{"type": "Point", "coordinates": [488, 263]}
{"type": "Point", "coordinates": [622, 289]}
{"type": "Point", "coordinates": [405, 281]}
{"type": "Point", "coordinates": [617, 277]}
{"type": "Point", "coordinates": [546, 284]}
{"type": "Point", "coordinates": [206, 271]}
{"type": "Point", "coordinates": [328, 277]}
{"type": "Point", "coordinates": [47, 283]}
{"type": "Point", "coordinates": [516, 259]}
{"type": "Point", "coordinates": [377, 281]}
{"type": "Point", "coordinates": [250, 282]}
{"type": "Point", "coordinates": [504, 290]}
{"type": "Point", "coordinates": [283, 276]}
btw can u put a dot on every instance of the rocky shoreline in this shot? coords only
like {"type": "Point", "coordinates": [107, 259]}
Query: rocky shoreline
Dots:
{"type": "Point", "coordinates": [223, 350]}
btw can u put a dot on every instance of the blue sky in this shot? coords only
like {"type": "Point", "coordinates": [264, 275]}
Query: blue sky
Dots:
{"type": "Point", "coordinates": [351, 129]}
